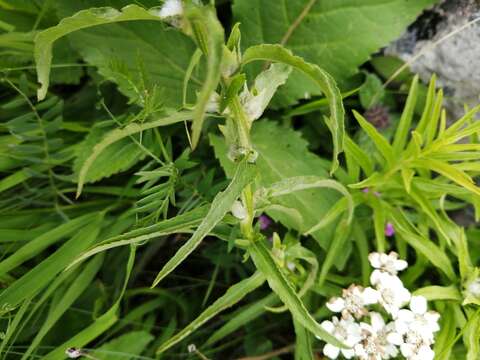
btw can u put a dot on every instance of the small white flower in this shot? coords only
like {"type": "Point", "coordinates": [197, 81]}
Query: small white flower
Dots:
{"type": "Point", "coordinates": [74, 353]}
{"type": "Point", "coordinates": [345, 330]}
{"type": "Point", "coordinates": [171, 8]}
{"type": "Point", "coordinates": [238, 210]}
{"type": "Point", "coordinates": [418, 320]}
{"type": "Point", "coordinates": [385, 263]}
{"type": "Point", "coordinates": [393, 295]}
{"type": "Point", "coordinates": [378, 339]}
{"type": "Point", "coordinates": [353, 301]}
{"type": "Point", "coordinates": [415, 347]}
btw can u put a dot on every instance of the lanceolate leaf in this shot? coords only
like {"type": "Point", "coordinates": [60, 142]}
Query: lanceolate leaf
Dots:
{"type": "Point", "coordinates": [323, 80]}
{"type": "Point", "coordinates": [233, 295]}
{"type": "Point", "coordinates": [281, 286]}
{"type": "Point", "coordinates": [244, 175]}
{"type": "Point", "coordinates": [210, 38]}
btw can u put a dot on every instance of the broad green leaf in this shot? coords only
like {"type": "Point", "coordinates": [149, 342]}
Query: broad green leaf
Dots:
{"type": "Point", "coordinates": [337, 35]}
{"type": "Point", "coordinates": [265, 262]}
{"type": "Point", "coordinates": [83, 19]}
{"type": "Point", "coordinates": [78, 286]}
{"type": "Point", "coordinates": [380, 142]}
{"type": "Point", "coordinates": [282, 154]}
{"type": "Point", "coordinates": [119, 134]}
{"type": "Point", "coordinates": [43, 241]}
{"type": "Point", "coordinates": [146, 59]}
{"type": "Point", "coordinates": [232, 296]}
{"type": "Point", "coordinates": [323, 80]}
{"type": "Point", "coordinates": [209, 35]}
{"type": "Point", "coordinates": [127, 346]}
{"type": "Point", "coordinates": [405, 123]}
{"type": "Point", "coordinates": [371, 92]}
{"type": "Point", "coordinates": [244, 175]}
{"type": "Point", "coordinates": [39, 276]}
{"type": "Point", "coordinates": [243, 316]}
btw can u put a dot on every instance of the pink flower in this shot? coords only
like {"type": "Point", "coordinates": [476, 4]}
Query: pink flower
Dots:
{"type": "Point", "coordinates": [264, 222]}
{"type": "Point", "coordinates": [389, 229]}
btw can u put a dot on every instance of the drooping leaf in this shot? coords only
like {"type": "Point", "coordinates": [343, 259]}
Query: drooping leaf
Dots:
{"type": "Point", "coordinates": [322, 79]}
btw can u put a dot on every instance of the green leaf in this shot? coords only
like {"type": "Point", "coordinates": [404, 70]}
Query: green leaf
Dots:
{"type": "Point", "coordinates": [401, 134]}
{"type": "Point", "coordinates": [43, 241]}
{"type": "Point", "coordinates": [119, 134]}
{"type": "Point", "coordinates": [371, 92]}
{"type": "Point", "coordinates": [81, 20]}
{"type": "Point", "coordinates": [177, 224]}
{"type": "Point", "coordinates": [283, 154]}
{"type": "Point", "coordinates": [118, 157]}
{"type": "Point", "coordinates": [243, 316]}
{"type": "Point", "coordinates": [472, 337]}
{"type": "Point", "coordinates": [303, 343]}
{"type": "Point", "coordinates": [337, 35]}
{"type": "Point", "coordinates": [439, 293]}
{"type": "Point", "coordinates": [233, 295]}
{"type": "Point", "coordinates": [127, 346]}
{"type": "Point", "coordinates": [380, 142]}
{"type": "Point", "coordinates": [445, 339]}
{"type": "Point", "coordinates": [449, 171]}
{"type": "Point", "coordinates": [210, 38]}
{"type": "Point", "coordinates": [222, 203]}
{"type": "Point", "coordinates": [39, 276]}
{"type": "Point", "coordinates": [323, 80]}
{"type": "Point", "coordinates": [281, 286]}
{"type": "Point", "coordinates": [144, 58]}
{"type": "Point", "coordinates": [81, 282]}
{"type": "Point", "coordinates": [360, 157]}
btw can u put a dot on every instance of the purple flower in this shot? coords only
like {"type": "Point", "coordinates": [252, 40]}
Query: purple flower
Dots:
{"type": "Point", "coordinates": [389, 229]}
{"type": "Point", "coordinates": [264, 222]}
{"type": "Point", "coordinates": [365, 190]}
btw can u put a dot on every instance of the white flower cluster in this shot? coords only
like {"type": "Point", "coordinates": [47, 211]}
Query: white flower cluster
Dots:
{"type": "Point", "coordinates": [409, 331]}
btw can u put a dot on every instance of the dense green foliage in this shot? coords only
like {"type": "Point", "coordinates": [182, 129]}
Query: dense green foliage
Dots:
{"type": "Point", "coordinates": [138, 150]}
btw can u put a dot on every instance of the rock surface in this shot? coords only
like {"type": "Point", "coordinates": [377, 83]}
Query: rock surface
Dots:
{"type": "Point", "coordinates": [449, 49]}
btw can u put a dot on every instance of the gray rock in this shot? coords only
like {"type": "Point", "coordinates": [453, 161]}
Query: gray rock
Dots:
{"type": "Point", "coordinates": [456, 60]}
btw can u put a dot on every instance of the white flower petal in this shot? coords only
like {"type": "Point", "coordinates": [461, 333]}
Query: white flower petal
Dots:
{"type": "Point", "coordinates": [348, 353]}
{"type": "Point", "coordinates": [395, 338]}
{"type": "Point", "coordinates": [331, 351]}
{"type": "Point", "coordinates": [370, 296]}
{"type": "Point", "coordinates": [238, 210]}
{"type": "Point", "coordinates": [407, 350]}
{"type": "Point", "coordinates": [171, 8]}
{"type": "Point", "coordinates": [418, 304]}
{"type": "Point", "coordinates": [400, 265]}
{"type": "Point", "coordinates": [425, 353]}
{"type": "Point", "coordinates": [328, 326]}
{"type": "Point", "coordinates": [336, 304]}
{"type": "Point", "coordinates": [374, 259]}
{"type": "Point", "coordinates": [377, 321]}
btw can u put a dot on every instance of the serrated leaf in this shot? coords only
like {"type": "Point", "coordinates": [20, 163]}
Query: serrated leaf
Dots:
{"type": "Point", "coordinates": [233, 295]}
{"type": "Point", "coordinates": [337, 35]}
{"type": "Point", "coordinates": [222, 203]}
{"type": "Point", "coordinates": [325, 82]}
{"type": "Point", "coordinates": [282, 154]}
{"type": "Point", "coordinates": [280, 285]}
